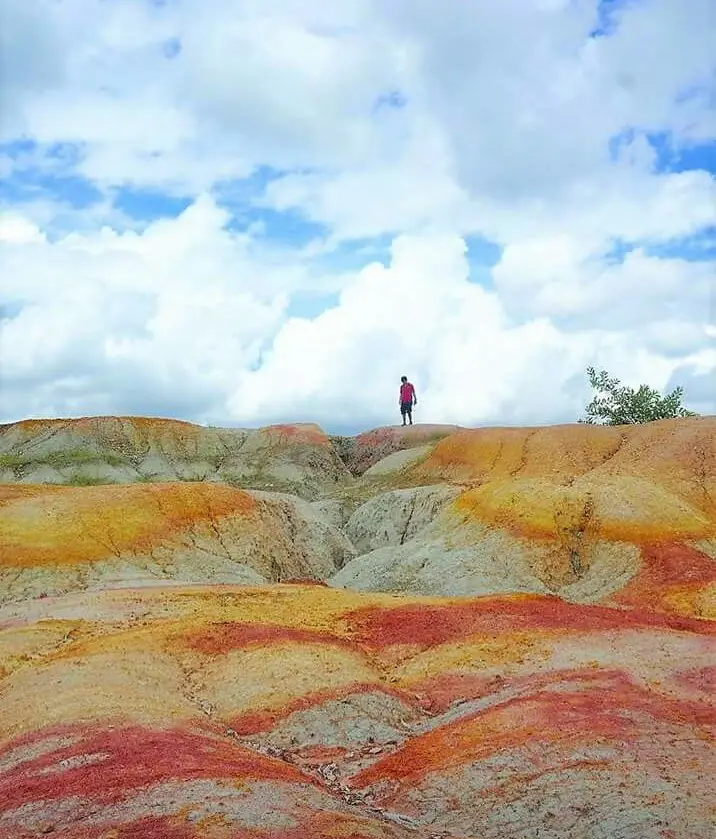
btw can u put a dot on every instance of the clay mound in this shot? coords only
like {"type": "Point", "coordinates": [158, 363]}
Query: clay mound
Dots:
{"type": "Point", "coordinates": [678, 456]}
{"type": "Point", "coordinates": [516, 767]}
{"type": "Point", "coordinates": [287, 458]}
{"type": "Point", "coordinates": [129, 782]}
{"type": "Point", "coordinates": [364, 451]}
{"type": "Point", "coordinates": [304, 711]}
{"type": "Point", "coordinates": [573, 699]}
{"type": "Point", "coordinates": [57, 539]}
{"type": "Point", "coordinates": [579, 511]}
{"type": "Point", "coordinates": [396, 517]}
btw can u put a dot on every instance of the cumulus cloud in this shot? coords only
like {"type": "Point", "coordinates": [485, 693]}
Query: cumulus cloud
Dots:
{"type": "Point", "coordinates": [562, 277]}
{"type": "Point", "coordinates": [183, 317]}
{"type": "Point", "coordinates": [181, 307]}
{"type": "Point", "coordinates": [410, 126]}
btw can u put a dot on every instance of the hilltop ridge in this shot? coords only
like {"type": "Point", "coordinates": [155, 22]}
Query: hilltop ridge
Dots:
{"type": "Point", "coordinates": [573, 509]}
{"type": "Point", "coordinates": [297, 457]}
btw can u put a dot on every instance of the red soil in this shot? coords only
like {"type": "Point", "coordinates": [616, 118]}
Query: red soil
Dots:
{"type": "Point", "coordinates": [610, 708]}
{"type": "Point", "coordinates": [664, 565]}
{"type": "Point", "coordinates": [425, 625]}
{"type": "Point", "coordinates": [133, 757]}
{"type": "Point", "coordinates": [221, 638]}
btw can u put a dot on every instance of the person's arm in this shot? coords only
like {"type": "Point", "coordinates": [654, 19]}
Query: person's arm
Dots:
{"type": "Point", "coordinates": [415, 398]}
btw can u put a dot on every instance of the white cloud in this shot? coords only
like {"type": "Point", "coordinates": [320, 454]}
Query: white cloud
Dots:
{"type": "Point", "coordinates": [529, 101]}
{"type": "Point", "coordinates": [182, 305]}
{"type": "Point", "coordinates": [513, 107]}
{"type": "Point", "coordinates": [472, 361]}
{"type": "Point", "coordinates": [283, 84]}
{"type": "Point", "coordinates": [16, 229]}
{"type": "Point", "coordinates": [505, 126]}
{"type": "Point", "coordinates": [515, 95]}
{"type": "Point", "coordinates": [188, 316]}
{"type": "Point", "coordinates": [288, 91]}
{"type": "Point", "coordinates": [561, 277]}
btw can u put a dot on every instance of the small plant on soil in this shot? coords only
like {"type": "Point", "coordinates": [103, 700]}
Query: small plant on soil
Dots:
{"type": "Point", "coordinates": [616, 404]}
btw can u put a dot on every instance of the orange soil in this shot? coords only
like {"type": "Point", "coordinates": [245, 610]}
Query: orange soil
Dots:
{"type": "Point", "coordinates": [67, 525]}
{"type": "Point", "coordinates": [603, 709]}
{"type": "Point", "coordinates": [299, 434]}
{"type": "Point", "coordinates": [557, 452]}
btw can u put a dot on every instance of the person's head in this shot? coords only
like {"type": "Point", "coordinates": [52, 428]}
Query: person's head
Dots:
{"type": "Point", "coordinates": [403, 379]}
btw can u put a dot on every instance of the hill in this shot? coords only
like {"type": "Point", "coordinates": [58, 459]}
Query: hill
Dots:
{"type": "Point", "coordinates": [592, 514]}
{"type": "Point", "coordinates": [431, 632]}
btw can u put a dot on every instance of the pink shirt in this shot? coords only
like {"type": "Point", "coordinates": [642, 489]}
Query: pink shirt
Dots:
{"type": "Point", "coordinates": [407, 392]}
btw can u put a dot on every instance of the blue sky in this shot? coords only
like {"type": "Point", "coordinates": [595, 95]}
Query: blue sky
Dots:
{"type": "Point", "coordinates": [162, 146]}
{"type": "Point", "coordinates": [48, 173]}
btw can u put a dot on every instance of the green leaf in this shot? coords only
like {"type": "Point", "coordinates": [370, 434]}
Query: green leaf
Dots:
{"type": "Point", "coordinates": [615, 404]}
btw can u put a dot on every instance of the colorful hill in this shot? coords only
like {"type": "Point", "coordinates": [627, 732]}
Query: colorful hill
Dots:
{"type": "Point", "coordinates": [291, 458]}
{"type": "Point", "coordinates": [579, 511]}
{"type": "Point", "coordinates": [304, 711]}
{"type": "Point", "coordinates": [185, 651]}
{"type": "Point", "coordinates": [58, 538]}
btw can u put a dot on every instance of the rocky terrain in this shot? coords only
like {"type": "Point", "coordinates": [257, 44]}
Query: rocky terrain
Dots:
{"type": "Point", "coordinates": [431, 632]}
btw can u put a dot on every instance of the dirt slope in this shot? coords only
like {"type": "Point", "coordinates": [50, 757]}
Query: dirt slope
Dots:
{"type": "Point", "coordinates": [202, 712]}
{"type": "Point", "coordinates": [57, 539]}
{"type": "Point", "coordinates": [287, 458]}
{"type": "Point", "coordinates": [582, 512]}
{"type": "Point", "coordinates": [516, 637]}
{"type": "Point", "coordinates": [575, 510]}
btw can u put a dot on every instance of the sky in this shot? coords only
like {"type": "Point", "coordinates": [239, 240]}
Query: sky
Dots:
{"type": "Point", "coordinates": [244, 212]}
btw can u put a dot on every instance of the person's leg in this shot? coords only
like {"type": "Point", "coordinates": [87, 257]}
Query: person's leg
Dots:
{"type": "Point", "coordinates": [402, 411]}
{"type": "Point", "coordinates": [410, 414]}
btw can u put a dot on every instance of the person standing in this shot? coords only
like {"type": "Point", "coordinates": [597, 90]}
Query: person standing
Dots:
{"type": "Point", "coordinates": [407, 399]}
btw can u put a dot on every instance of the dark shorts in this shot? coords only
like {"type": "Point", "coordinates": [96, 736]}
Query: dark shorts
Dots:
{"type": "Point", "coordinates": [406, 408]}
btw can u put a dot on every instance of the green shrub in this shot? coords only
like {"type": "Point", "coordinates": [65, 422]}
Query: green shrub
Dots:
{"type": "Point", "coordinates": [616, 404]}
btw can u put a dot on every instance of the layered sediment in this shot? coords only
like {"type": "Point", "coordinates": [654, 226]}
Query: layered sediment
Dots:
{"type": "Point", "coordinates": [430, 632]}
